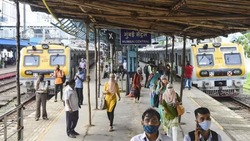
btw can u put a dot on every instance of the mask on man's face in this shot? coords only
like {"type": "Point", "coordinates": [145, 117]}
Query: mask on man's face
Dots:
{"type": "Point", "coordinates": [205, 125]}
{"type": "Point", "coordinates": [150, 128]}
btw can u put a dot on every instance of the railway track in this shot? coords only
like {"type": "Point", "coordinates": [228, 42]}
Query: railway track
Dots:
{"type": "Point", "coordinates": [236, 104]}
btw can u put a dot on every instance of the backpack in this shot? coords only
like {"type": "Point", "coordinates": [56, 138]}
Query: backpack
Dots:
{"type": "Point", "coordinates": [145, 69]}
{"type": "Point", "coordinates": [214, 135]}
{"type": "Point", "coordinates": [63, 78]}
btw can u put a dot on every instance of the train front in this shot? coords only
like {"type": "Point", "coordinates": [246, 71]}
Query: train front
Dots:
{"type": "Point", "coordinates": [41, 59]}
{"type": "Point", "coordinates": [219, 69]}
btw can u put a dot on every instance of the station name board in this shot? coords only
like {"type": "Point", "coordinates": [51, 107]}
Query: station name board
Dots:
{"type": "Point", "coordinates": [134, 37]}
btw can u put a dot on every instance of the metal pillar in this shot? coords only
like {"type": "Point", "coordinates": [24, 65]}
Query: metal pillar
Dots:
{"type": "Point", "coordinates": [99, 60]}
{"type": "Point", "coordinates": [96, 57]}
{"type": "Point", "coordinates": [112, 58]}
{"type": "Point", "coordinates": [172, 61]}
{"type": "Point", "coordinates": [19, 111]}
{"type": "Point", "coordinates": [88, 75]}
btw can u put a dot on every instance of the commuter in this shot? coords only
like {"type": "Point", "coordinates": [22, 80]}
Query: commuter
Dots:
{"type": "Point", "coordinates": [188, 75]}
{"type": "Point", "coordinates": [82, 64]}
{"type": "Point", "coordinates": [79, 78]}
{"type": "Point", "coordinates": [111, 89]}
{"type": "Point", "coordinates": [153, 85]}
{"type": "Point", "coordinates": [71, 108]}
{"type": "Point", "coordinates": [170, 100]}
{"type": "Point", "coordinates": [202, 131]}
{"type": "Point", "coordinates": [106, 72]}
{"type": "Point", "coordinates": [160, 68]}
{"type": "Point", "coordinates": [136, 84]}
{"type": "Point", "coordinates": [160, 89]}
{"type": "Point", "coordinates": [101, 64]}
{"type": "Point", "coordinates": [146, 72]}
{"type": "Point", "coordinates": [167, 69]}
{"type": "Point", "coordinates": [41, 88]}
{"type": "Point", "coordinates": [124, 68]}
{"type": "Point", "coordinates": [151, 123]}
{"type": "Point", "coordinates": [58, 74]}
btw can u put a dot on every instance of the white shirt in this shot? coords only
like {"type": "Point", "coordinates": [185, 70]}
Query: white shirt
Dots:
{"type": "Point", "coordinates": [143, 137]}
{"type": "Point", "coordinates": [71, 95]}
{"type": "Point", "coordinates": [187, 138]}
{"type": "Point", "coordinates": [125, 65]}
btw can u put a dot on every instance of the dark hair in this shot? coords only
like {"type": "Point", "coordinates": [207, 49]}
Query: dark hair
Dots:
{"type": "Point", "coordinates": [188, 63]}
{"type": "Point", "coordinates": [151, 112]}
{"type": "Point", "coordinates": [70, 82]}
{"type": "Point", "coordinates": [201, 110]}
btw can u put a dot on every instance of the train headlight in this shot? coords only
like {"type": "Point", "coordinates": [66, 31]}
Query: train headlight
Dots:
{"type": "Point", "coordinates": [45, 46]}
{"type": "Point", "coordinates": [204, 73]}
{"type": "Point", "coordinates": [237, 72]}
{"type": "Point", "coordinates": [28, 72]}
{"type": "Point", "coordinates": [216, 44]}
{"type": "Point", "coordinates": [237, 83]}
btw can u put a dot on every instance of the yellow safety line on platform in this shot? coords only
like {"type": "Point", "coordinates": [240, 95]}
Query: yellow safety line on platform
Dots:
{"type": "Point", "coordinates": [211, 116]}
{"type": "Point", "coordinates": [41, 136]}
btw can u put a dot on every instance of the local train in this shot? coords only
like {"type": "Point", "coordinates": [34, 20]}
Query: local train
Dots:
{"type": "Point", "coordinates": [219, 68]}
{"type": "Point", "coordinates": [44, 58]}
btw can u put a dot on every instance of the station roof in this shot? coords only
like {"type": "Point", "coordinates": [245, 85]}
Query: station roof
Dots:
{"type": "Point", "coordinates": [195, 18]}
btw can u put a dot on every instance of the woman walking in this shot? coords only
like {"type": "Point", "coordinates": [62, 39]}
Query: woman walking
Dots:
{"type": "Point", "coordinates": [111, 89]}
{"type": "Point", "coordinates": [170, 100]}
{"type": "Point", "coordinates": [136, 84]}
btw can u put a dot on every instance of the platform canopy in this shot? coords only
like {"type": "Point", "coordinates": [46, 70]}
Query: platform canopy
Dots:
{"type": "Point", "coordinates": [195, 18]}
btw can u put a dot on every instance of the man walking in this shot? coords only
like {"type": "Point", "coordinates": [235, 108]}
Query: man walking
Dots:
{"type": "Point", "coordinates": [58, 74]}
{"type": "Point", "coordinates": [79, 78]}
{"type": "Point", "coordinates": [71, 108]}
{"type": "Point", "coordinates": [188, 75]}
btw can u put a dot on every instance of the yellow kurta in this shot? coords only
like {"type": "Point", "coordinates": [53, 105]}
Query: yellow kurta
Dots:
{"type": "Point", "coordinates": [111, 98]}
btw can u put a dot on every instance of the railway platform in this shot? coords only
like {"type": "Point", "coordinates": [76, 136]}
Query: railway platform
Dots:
{"type": "Point", "coordinates": [127, 121]}
{"type": "Point", "coordinates": [8, 72]}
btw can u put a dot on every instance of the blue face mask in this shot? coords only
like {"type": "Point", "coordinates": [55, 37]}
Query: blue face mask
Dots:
{"type": "Point", "coordinates": [150, 129]}
{"type": "Point", "coordinates": [80, 72]}
{"type": "Point", "coordinates": [205, 125]}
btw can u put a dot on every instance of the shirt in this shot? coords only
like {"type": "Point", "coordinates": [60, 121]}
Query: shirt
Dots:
{"type": "Point", "coordinates": [41, 87]}
{"type": "Point", "coordinates": [79, 83]}
{"type": "Point", "coordinates": [143, 137]}
{"type": "Point", "coordinates": [187, 138]}
{"type": "Point", "coordinates": [188, 71]}
{"type": "Point", "coordinates": [58, 76]}
{"type": "Point", "coordinates": [125, 65]}
{"type": "Point", "coordinates": [71, 95]}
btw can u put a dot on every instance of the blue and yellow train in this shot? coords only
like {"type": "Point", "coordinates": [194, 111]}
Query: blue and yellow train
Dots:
{"type": "Point", "coordinates": [219, 68]}
{"type": "Point", "coordinates": [44, 58]}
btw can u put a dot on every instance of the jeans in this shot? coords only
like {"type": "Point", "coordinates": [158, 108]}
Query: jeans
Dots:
{"type": "Point", "coordinates": [189, 83]}
{"type": "Point", "coordinates": [71, 121]}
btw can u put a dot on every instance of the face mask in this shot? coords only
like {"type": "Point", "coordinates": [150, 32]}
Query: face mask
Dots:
{"type": "Point", "coordinates": [205, 125]}
{"type": "Point", "coordinates": [150, 129]}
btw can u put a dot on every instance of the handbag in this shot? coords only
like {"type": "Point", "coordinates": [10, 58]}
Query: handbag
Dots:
{"type": "Point", "coordinates": [103, 104]}
{"type": "Point", "coordinates": [180, 110]}
{"type": "Point", "coordinates": [156, 100]}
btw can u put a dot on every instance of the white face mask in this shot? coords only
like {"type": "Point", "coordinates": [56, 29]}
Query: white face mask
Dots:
{"type": "Point", "coordinates": [205, 125]}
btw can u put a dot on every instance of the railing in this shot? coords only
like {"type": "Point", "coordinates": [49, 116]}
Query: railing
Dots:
{"type": "Point", "coordinates": [8, 122]}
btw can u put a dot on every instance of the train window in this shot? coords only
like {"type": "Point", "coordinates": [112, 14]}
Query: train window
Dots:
{"type": "Point", "coordinates": [31, 60]}
{"type": "Point", "coordinates": [232, 58]}
{"type": "Point", "coordinates": [57, 59]}
{"type": "Point", "coordinates": [205, 60]}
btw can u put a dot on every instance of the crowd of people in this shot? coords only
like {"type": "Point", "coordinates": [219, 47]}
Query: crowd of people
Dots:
{"type": "Point", "coordinates": [163, 99]}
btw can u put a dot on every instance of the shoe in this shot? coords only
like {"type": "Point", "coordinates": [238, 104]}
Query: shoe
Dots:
{"type": "Point", "coordinates": [36, 119]}
{"type": "Point", "coordinates": [111, 129]}
{"type": "Point", "coordinates": [75, 133]}
{"type": "Point", "coordinates": [55, 100]}
{"type": "Point", "coordinates": [45, 118]}
{"type": "Point", "coordinates": [72, 136]}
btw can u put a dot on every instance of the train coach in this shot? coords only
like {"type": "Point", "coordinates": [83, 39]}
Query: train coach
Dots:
{"type": "Point", "coordinates": [219, 68]}
{"type": "Point", "coordinates": [44, 58]}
